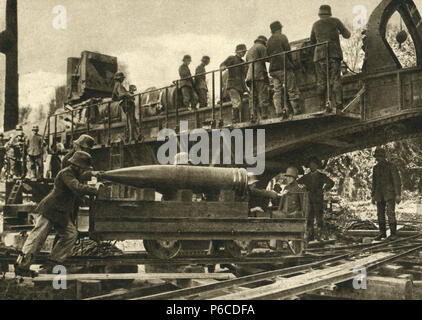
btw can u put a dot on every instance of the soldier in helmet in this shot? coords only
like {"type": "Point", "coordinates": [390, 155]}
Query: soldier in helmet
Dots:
{"type": "Point", "coordinates": [186, 84]}
{"type": "Point", "coordinates": [316, 183]}
{"type": "Point", "coordinates": [236, 85]}
{"type": "Point", "coordinates": [35, 151]}
{"type": "Point", "coordinates": [128, 105]}
{"type": "Point", "coordinates": [201, 82]}
{"type": "Point", "coordinates": [16, 153]}
{"type": "Point", "coordinates": [260, 79]}
{"type": "Point", "coordinates": [56, 211]}
{"type": "Point", "coordinates": [277, 44]}
{"type": "Point", "coordinates": [291, 203]}
{"type": "Point", "coordinates": [328, 29]}
{"type": "Point", "coordinates": [386, 192]}
{"type": "Point", "coordinates": [83, 143]}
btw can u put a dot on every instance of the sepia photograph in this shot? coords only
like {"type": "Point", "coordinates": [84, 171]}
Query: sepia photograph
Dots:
{"type": "Point", "coordinates": [225, 150]}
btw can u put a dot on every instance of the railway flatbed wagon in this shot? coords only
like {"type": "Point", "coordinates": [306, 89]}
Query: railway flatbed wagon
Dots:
{"type": "Point", "coordinates": [179, 220]}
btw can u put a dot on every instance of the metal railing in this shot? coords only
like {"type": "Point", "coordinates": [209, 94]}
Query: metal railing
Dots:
{"type": "Point", "coordinates": [166, 90]}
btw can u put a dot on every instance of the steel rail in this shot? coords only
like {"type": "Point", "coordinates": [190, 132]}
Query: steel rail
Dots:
{"type": "Point", "coordinates": [182, 293]}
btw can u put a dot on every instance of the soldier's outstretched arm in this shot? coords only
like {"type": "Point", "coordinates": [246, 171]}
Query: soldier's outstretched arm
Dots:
{"type": "Point", "coordinates": [77, 187]}
{"type": "Point", "coordinates": [343, 30]}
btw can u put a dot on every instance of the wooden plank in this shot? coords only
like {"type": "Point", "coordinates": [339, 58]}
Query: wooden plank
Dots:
{"type": "Point", "coordinates": [198, 226]}
{"type": "Point", "coordinates": [374, 233]}
{"type": "Point", "coordinates": [128, 209]}
{"type": "Point", "coordinates": [135, 276]}
{"type": "Point", "coordinates": [377, 288]}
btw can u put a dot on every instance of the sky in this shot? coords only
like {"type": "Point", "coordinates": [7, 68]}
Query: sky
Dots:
{"type": "Point", "coordinates": [150, 37]}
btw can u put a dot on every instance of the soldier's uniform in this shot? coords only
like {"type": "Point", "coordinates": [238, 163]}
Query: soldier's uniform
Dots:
{"type": "Point", "coordinates": [236, 85]}
{"type": "Point", "coordinates": [16, 153]}
{"type": "Point", "coordinates": [290, 203]}
{"type": "Point", "coordinates": [386, 190]}
{"type": "Point", "coordinates": [128, 105]}
{"type": "Point", "coordinates": [328, 29]}
{"type": "Point", "coordinates": [260, 77]}
{"type": "Point", "coordinates": [316, 183]}
{"type": "Point", "coordinates": [56, 211]}
{"type": "Point", "coordinates": [35, 146]}
{"type": "Point", "coordinates": [279, 43]}
{"type": "Point", "coordinates": [189, 96]}
{"type": "Point", "coordinates": [201, 84]}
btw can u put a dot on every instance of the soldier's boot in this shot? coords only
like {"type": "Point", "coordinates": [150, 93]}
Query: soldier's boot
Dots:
{"type": "Point", "coordinates": [295, 107]}
{"type": "Point", "coordinates": [22, 267]}
{"type": "Point", "coordinates": [382, 234]}
{"type": "Point", "coordinates": [393, 230]}
{"type": "Point", "coordinates": [235, 115]}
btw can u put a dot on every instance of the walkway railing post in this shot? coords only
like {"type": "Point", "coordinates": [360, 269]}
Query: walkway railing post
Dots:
{"type": "Point", "coordinates": [72, 128]}
{"type": "Point", "coordinates": [221, 99]}
{"type": "Point", "coordinates": [285, 82]}
{"type": "Point", "coordinates": [109, 123]}
{"type": "Point", "coordinates": [167, 108]}
{"type": "Point", "coordinates": [177, 106]}
{"type": "Point", "coordinates": [253, 93]}
{"type": "Point", "coordinates": [140, 113]}
{"type": "Point", "coordinates": [55, 130]}
{"type": "Point", "coordinates": [327, 59]}
{"type": "Point", "coordinates": [213, 98]}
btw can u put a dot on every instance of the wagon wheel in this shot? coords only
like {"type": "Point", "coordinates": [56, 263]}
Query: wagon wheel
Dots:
{"type": "Point", "coordinates": [297, 247]}
{"type": "Point", "coordinates": [163, 249]}
{"type": "Point", "coordinates": [238, 248]}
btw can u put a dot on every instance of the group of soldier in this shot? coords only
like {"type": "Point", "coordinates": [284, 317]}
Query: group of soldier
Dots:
{"type": "Point", "coordinates": [58, 209]}
{"type": "Point", "coordinates": [240, 78]}
{"type": "Point", "coordinates": [22, 156]}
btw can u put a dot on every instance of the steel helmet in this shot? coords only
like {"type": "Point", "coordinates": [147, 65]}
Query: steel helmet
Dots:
{"type": "Point", "coordinates": [325, 10]}
{"type": "Point", "coordinates": [119, 75]}
{"type": "Point", "coordinates": [81, 159]}
{"type": "Point", "coordinates": [85, 141]}
{"type": "Point", "coordinates": [241, 48]}
{"type": "Point", "coordinates": [262, 39]}
{"type": "Point", "coordinates": [275, 26]}
{"type": "Point", "coordinates": [292, 172]}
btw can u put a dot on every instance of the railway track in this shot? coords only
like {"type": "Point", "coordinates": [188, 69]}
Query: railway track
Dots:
{"type": "Point", "coordinates": [298, 280]}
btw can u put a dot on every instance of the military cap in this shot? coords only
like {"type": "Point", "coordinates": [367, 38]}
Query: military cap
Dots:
{"type": "Point", "coordinates": [241, 48]}
{"type": "Point", "coordinates": [187, 57]}
{"type": "Point", "coordinates": [81, 159]}
{"type": "Point", "coordinates": [19, 127]}
{"type": "Point", "coordinates": [119, 75]}
{"type": "Point", "coordinates": [252, 179]}
{"type": "Point", "coordinates": [275, 26]}
{"type": "Point", "coordinates": [85, 141]}
{"type": "Point", "coordinates": [292, 172]}
{"type": "Point", "coordinates": [262, 39]}
{"type": "Point", "coordinates": [314, 160]}
{"type": "Point", "coordinates": [380, 152]}
{"type": "Point", "coordinates": [325, 10]}
{"type": "Point", "coordinates": [35, 128]}
{"type": "Point", "coordinates": [206, 58]}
